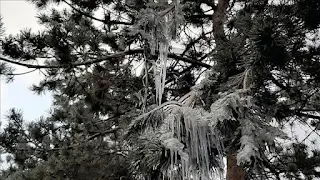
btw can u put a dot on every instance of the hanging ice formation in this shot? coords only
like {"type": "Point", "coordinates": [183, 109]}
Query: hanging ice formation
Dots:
{"type": "Point", "coordinates": [160, 69]}
{"type": "Point", "coordinates": [196, 150]}
{"type": "Point", "coordinates": [160, 66]}
{"type": "Point", "coordinates": [190, 134]}
{"type": "Point", "coordinates": [192, 137]}
{"type": "Point", "coordinates": [184, 131]}
{"type": "Point", "coordinates": [188, 137]}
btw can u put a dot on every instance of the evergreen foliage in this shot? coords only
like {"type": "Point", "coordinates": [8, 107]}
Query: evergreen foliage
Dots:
{"type": "Point", "coordinates": [261, 64]}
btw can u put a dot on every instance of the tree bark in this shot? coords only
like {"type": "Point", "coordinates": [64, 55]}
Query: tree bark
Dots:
{"type": "Point", "coordinates": [234, 172]}
{"type": "Point", "coordinates": [218, 19]}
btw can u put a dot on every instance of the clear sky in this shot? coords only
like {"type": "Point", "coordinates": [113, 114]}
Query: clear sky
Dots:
{"type": "Point", "coordinates": [18, 15]}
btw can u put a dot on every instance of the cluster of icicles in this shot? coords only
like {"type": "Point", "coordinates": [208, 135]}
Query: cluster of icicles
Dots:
{"type": "Point", "coordinates": [190, 134]}
{"type": "Point", "coordinates": [184, 130]}
{"type": "Point", "coordinates": [187, 132]}
{"type": "Point", "coordinates": [160, 66]}
{"type": "Point", "coordinates": [188, 137]}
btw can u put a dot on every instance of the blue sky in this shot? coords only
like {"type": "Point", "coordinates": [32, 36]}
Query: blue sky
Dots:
{"type": "Point", "coordinates": [18, 15]}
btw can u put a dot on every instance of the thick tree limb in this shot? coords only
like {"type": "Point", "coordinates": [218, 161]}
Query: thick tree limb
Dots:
{"type": "Point", "coordinates": [234, 172]}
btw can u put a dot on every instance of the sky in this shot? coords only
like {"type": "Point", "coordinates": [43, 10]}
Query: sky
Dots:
{"type": "Point", "coordinates": [18, 15]}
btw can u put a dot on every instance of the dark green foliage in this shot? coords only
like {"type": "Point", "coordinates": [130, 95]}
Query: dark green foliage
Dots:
{"type": "Point", "coordinates": [96, 96]}
{"type": "Point", "coordinates": [309, 12]}
{"type": "Point", "coordinates": [1, 28]}
{"type": "Point", "coordinates": [297, 160]}
{"type": "Point", "coordinates": [149, 158]}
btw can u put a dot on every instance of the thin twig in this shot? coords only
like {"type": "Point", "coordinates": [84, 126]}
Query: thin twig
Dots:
{"type": "Point", "coordinates": [17, 74]}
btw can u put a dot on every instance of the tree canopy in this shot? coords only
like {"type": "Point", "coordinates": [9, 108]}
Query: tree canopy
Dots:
{"type": "Point", "coordinates": [147, 89]}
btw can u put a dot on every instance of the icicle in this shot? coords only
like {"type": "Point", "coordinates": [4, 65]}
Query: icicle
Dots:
{"type": "Point", "coordinates": [161, 63]}
{"type": "Point", "coordinates": [198, 137]}
{"type": "Point", "coordinates": [161, 69]}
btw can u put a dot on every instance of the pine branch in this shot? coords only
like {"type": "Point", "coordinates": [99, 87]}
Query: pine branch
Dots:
{"type": "Point", "coordinates": [272, 169]}
{"type": "Point", "coordinates": [97, 134]}
{"type": "Point", "coordinates": [115, 55]}
{"type": "Point", "coordinates": [184, 59]}
{"type": "Point", "coordinates": [166, 11]}
{"type": "Point", "coordinates": [200, 16]}
{"type": "Point", "coordinates": [107, 57]}
{"type": "Point", "coordinates": [193, 42]}
{"type": "Point", "coordinates": [209, 3]}
{"type": "Point", "coordinates": [88, 139]}
{"type": "Point", "coordinates": [279, 84]}
{"type": "Point", "coordinates": [313, 131]}
{"type": "Point", "coordinates": [97, 19]}
{"type": "Point", "coordinates": [17, 74]}
{"type": "Point", "coordinates": [300, 114]}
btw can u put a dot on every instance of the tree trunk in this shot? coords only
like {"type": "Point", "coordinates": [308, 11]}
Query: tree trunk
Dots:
{"type": "Point", "coordinates": [234, 172]}
{"type": "Point", "coordinates": [218, 18]}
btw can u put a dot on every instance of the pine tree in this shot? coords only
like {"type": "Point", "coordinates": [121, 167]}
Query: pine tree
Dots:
{"type": "Point", "coordinates": [261, 61]}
